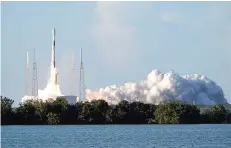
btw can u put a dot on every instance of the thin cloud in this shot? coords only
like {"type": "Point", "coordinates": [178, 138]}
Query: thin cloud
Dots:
{"type": "Point", "coordinates": [171, 17]}
{"type": "Point", "coordinates": [115, 38]}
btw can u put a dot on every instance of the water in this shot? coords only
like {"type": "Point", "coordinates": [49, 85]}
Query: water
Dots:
{"type": "Point", "coordinates": [117, 136]}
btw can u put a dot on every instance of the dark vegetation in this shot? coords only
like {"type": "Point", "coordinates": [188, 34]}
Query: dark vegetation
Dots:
{"type": "Point", "coordinates": [99, 112]}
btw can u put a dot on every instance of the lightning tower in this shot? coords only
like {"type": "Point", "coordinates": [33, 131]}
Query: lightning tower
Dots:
{"type": "Point", "coordinates": [27, 73]}
{"type": "Point", "coordinates": [73, 76]}
{"type": "Point", "coordinates": [81, 80]}
{"type": "Point", "coordinates": [34, 79]}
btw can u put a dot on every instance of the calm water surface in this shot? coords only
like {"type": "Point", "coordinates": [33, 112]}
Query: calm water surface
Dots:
{"type": "Point", "coordinates": [117, 136]}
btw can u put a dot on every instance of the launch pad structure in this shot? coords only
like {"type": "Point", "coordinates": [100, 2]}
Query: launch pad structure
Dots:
{"type": "Point", "coordinates": [34, 79]}
{"type": "Point", "coordinates": [52, 90]}
{"type": "Point", "coordinates": [82, 94]}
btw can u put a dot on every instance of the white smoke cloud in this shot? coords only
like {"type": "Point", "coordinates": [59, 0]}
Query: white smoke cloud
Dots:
{"type": "Point", "coordinates": [163, 86]}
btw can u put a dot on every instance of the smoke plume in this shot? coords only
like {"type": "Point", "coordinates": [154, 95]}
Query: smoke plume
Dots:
{"type": "Point", "coordinates": [52, 90]}
{"type": "Point", "coordinates": [159, 87]}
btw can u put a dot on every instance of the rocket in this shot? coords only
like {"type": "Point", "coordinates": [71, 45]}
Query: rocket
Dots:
{"type": "Point", "coordinates": [54, 74]}
{"type": "Point", "coordinates": [53, 49]}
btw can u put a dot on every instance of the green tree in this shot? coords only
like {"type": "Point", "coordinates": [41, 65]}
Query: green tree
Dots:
{"type": "Point", "coordinates": [149, 110]}
{"type": "Point", "coordinates": [6, 110]}
{"type": "Point", "coordinates": [229, 117]}
{"type": "Point", "coordinates": [60, 107]}
{"type": "Point", "coordinates": [137, 113]}
{"type": "Point", "coordinates": [70, 116]}
{"type": "Point", "coordinates": [206, 116]}
{"type": "Point", "coordinates": [122, 112]}
{"type": "Point", "coordinates": [218, 113]}
{"type": "Point", "coordinates": [176, 112]}
{"type": "Point", "coordinates": [27, 113]}
{"type": "Point", "coordinates": [61, 104]}
{"type": "Point", "coordinates": [98, 111]}
{"type": "Point", "coordinates": [85, 114]}
{"type": "Point", "coordinates": [41, 110]}
{"type": "Point", "coordinates": [52, 118]}
{"type": "Point", "coordinates": [110, 115]}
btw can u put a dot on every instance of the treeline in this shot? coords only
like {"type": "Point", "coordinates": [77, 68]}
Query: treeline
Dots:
{"type": "Point", "coordinates": [99, 112]}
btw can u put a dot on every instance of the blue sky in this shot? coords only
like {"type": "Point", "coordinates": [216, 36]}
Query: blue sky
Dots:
{"type": "Point", "coordinates": [121, 41]}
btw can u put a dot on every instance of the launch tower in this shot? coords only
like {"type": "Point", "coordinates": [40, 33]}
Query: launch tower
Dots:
{"type": "Point", "coordinates": [81, 79]}
{"type": "Point", "coordinates": [34, 79]}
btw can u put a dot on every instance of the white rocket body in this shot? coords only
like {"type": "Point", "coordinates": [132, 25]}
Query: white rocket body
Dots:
{"type": "Point", "coordinates": [53, 49]}
{"type": "Point", "coordinates": [53, 66]}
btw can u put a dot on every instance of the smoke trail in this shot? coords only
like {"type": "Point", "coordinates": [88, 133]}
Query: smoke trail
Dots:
{"type": "Point", "coordinates": [163, 86]}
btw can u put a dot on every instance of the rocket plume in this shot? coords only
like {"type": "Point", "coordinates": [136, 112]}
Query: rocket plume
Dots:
{"type": "Point", "coordinates": [159, 87]}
